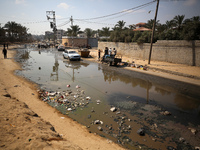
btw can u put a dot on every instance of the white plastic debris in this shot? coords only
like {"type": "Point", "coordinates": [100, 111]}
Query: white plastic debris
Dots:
{"type": "Point", "coordinates": [78, 86]}
{"type": "Point", "coordinates": [88, 98]}
{"type": "Point", "coordinates": [113, 109]}
{"type": "Point", "coordinates": [69, 109]}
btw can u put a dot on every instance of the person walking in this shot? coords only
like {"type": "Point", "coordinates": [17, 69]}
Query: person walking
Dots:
{"type": "Point", "coordinates": [4, 52]}
{"type": "Point", "coordinates": [99, 54]}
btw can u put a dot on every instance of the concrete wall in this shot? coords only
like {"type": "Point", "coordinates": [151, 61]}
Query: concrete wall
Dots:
{"type": "Point", "coordinates": [93, 42]}
{"type": "Point", "coordinates": [77, 42]}
{"type": "Point", "coordinates": [80, 42]}
{"type": "Point", "coordinates": [174, 51]}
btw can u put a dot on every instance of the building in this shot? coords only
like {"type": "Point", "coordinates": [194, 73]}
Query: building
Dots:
{"type": "Point", "coordinates": [59, 34]}
{"type": "Point", "coordinates": [141, 27]}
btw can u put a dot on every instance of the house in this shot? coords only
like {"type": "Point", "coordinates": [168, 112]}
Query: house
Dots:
{"type": "Point", "coordinates": [141, 27]}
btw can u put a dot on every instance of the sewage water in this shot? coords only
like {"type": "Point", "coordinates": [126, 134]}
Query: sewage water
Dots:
{"type": "Point", "coordinates": [140, 102]}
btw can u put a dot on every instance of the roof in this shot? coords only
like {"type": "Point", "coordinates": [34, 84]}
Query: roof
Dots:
{"type": "Point", "coordinates": [141, 23]}
{"type": "Point", "coordinates": [142, 29]}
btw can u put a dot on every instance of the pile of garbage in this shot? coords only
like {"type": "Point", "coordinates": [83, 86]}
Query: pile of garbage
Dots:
{"type": "Point", "coordinates": [70, 100]}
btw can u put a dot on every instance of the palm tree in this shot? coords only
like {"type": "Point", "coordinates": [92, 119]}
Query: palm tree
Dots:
{"type": "Point", "coordinates": [178, 20]}
{"type": "Point", "coordinates": [120, 25]}
{"type": "Point", "coordinates": [133, 26]}
{"type": "Point", "coordinates": [105, 31]}
{"type": "Point", "coordinates": [170, 24]}
{"type": "Point", "coordinates": [73, 31]}
{"type": "Point", "coordinates": [150, 23]}
{"type": "Point", "coordinates": [10, 26]}
{"type": "Point", "coordinates": [88, 32]}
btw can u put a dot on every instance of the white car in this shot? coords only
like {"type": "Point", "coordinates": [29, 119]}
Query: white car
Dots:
{"type": "Point", "coordinates": [71, 55]}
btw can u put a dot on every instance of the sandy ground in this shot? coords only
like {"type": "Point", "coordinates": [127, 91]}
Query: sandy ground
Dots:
{"type": "Point", "coordinates": [28, 123]}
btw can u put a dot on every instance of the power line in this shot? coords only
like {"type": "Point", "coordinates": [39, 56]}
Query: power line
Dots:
{"type": "Point", "coordinates": [120, 11]}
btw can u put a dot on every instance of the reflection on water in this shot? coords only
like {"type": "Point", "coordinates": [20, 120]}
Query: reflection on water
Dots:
{"type": "Point", "coordinates": [127, 92]}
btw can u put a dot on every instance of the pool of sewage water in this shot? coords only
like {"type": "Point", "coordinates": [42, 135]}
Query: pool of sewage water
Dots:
{"type": "Point", "coordinates": [160, 111]}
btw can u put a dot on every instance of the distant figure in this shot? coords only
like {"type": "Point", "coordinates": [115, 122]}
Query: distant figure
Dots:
{"type": "Point", "coordinates": [4, 52]}
{"type": "Point", "coordinates": [7, 45]}
{"type": "Point", "coordinates": [115, 51]}
{"type": "Point", "coordinates": [106, 51]}
{"type": "Point", "coordinates": [99, 54]}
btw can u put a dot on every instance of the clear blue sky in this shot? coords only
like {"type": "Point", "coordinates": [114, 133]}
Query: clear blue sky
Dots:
{"type": "Point", "coordinates": [32, 13]}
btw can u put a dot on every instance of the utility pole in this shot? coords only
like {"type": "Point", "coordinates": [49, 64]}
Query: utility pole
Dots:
{"type": "Point", "coordinates": [71, 19]}
{"type": "Point", "coordinates": [51, 16]}
{"type": "Point", "coordinates": [152, 36]}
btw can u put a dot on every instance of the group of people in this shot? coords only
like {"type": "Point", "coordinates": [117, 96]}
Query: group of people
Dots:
{"type": "Point", "coordinates": [107, 52]}
{"type": "Point", "coordinates": [5, 50]}
{"type": "Point", "coordinates": [110, 51]}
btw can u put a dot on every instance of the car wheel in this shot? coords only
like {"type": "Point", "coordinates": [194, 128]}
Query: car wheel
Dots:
{"type": "Point", "coordinates": [63, 56]}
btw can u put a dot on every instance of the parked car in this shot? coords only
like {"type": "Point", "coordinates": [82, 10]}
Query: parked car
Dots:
{"type": "Point", "coordinates": [71, 55]}
{"type": "Point", "coordinates": [61, 48]}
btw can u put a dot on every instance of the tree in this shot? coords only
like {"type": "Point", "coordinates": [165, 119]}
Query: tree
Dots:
{"type": "Point", "coordinates": [16, 32]}
{"type": "Point", "coordinates": [170, 24]}
{"type": "Point", "coordinates": [88, 32]}
{"type": "Point", "coordinates": [132, 27]}
{"type": "Point", "coordinates": [120, 25]}
{"type": "Point", "coordinates": [150, 23]}
{"type": "Point", "coordinates": [74, 31]}
{"type": "Point", "coordinates": [191, 29]}
{"type": "Point", "coordinates": [105, 31]}
{"type": "Point", "coordinates": [178, 20]}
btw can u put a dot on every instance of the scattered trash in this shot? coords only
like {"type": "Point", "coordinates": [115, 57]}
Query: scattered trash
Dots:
{"type": "Point", "coordinates": [67, 99]}
{"type": "Point", "coordinates": [141, 132]}
{"type": "Point", "coordinates": [166, 113]}
{"type": "Point", "coordinates": [88, 98]}
{"type": "Point", "coordinates": [194, 131]}
{"type": "Point", "coordinates": [97, 122]}
{"type": "Point", "coordinates": [68, 85]}
{"type": "Point", "coordinates": [62, 117]}
{"type": "Point", "coordinates": [98, 102]}
{"type": "Point", "coordinates": [113, 109]}
{"type": "Point", "coordinates": [100, 128]}
{"type": "Point", "coordinates": [78, 86]}
{"type": "Point", "coordinates": [69, 109]}
{"type": "Point", "coordinates": [7, 95]}
{"type": "Point", "coordinates": [197, 148]}
{"type": "Point", "coordinates": [181, 139]}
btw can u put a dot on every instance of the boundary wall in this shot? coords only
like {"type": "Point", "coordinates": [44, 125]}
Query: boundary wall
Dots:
{"type": "Point", "coordinates": [174, 51]}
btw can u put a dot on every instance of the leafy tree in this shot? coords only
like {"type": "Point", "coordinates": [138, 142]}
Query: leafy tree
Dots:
{"type": "Point", "coordinates": [136, 36]}
{"type": "Point", "coordinates": [144, 38]}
